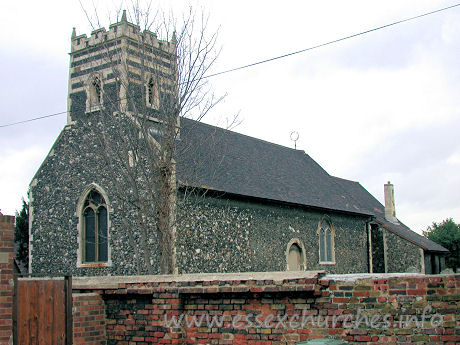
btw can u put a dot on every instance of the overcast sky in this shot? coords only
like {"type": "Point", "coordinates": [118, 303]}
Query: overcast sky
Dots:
{"type": "Point", "coordinates": [380, 107]}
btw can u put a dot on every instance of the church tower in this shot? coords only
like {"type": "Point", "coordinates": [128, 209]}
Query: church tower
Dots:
{"type": "Point", "coordinates": [121, 70]}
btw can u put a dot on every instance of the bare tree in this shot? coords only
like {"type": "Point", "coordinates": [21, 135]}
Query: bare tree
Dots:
{"type": "Point", "coordinates": [135, 122]}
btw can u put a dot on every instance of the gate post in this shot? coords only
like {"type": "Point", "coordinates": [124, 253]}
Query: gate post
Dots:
{"type": "Point", "coordinates": [68, 310]}
{"type": "Point", "coordinates": [6, 278]}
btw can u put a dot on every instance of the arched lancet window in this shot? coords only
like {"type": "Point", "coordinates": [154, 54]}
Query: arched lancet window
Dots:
{"type": "Point", "coordinates": [326, 243]}
{"type": "Point", "coordinates": [295, 256]}
{"type": "Point", "coordinates": [95, 232]}
{"type": "Point", "coordinates": [152, 96]}
{"type": "Point", "coordinates": [95, 91]}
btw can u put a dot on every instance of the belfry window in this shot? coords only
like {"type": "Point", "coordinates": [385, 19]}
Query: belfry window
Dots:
{"type": "Point", "coordinates": [95, 232]}
{"type": "Point", "coordinates": [95, 92]}
{"type": "Point", "coordinates": [152, 96]}
{"type": "Point", "coordinates": [326, 243]}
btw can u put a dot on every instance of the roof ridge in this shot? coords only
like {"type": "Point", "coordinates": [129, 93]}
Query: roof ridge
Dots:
{"type": "Point", "coordinates": [369, 194]}
{"type": "Point", "coordinates": [344, 179]}
{"type": "Point", "coordinates": [295, 151]}
{"type": "Point", "coordinates": [351, 195]}
{"type": "Point", "coordinates": [241, 134]}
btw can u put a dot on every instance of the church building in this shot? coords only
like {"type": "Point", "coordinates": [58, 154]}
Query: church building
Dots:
{"type": "Point", "coordinates": [239, 204]}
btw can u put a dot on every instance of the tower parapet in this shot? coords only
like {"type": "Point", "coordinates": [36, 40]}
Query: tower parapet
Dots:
{"type": "Point", "coordinates": [123, 28]}
{"type": "Point", "coordinates": [115, 62]}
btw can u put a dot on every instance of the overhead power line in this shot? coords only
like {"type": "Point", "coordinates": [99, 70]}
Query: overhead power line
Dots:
{"type": "Point", "coordinates": [34, 119]}
{"type": "Point", "coordinates": [278, 57]}
{"type": "Point", "coordinates": [332, 42]}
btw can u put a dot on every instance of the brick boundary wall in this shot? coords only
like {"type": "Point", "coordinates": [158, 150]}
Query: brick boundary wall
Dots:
{"type": "Point", "coordinates": [6, 277]}
{"type": "Point", "coordinates": [404, 300]}
{"type": "Point", "coordinates": [88, 319]}
{"type": "Point", "coordinates": [135, 311]}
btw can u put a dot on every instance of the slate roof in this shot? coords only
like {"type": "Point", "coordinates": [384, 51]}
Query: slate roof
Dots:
{"type": "Point", "coordinates": [217, 159]}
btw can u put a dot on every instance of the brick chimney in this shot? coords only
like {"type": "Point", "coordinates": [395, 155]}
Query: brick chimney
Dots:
{"type": "Point", "coordinates": [390, 212]}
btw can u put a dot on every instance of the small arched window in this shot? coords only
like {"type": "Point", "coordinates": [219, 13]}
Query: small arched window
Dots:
{"type": "Point", "coordinates": [295, 256]}
{"type": "Point", "coordinates": [95, 91]}
{"type": "Point", "coordinates": [152, 97]}
{"type": "Point", "coordinates": [326, 243]}
{"type": "Point", "coordinates": [94, 94]}
{"type": "Point", "coordinates": [95, 232]}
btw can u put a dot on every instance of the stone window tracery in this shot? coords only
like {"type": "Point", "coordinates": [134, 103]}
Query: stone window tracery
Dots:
{"type": "Point", "coordinates": [95, 228]}
{"type": "Point", "coordinates": [326, 243]}
{"type": "Point", "coordinates": [96, 89]}
{"type": "Point", "coordinates": [152, 96]}
{"type": "Point", "coordinates": [94, 93]}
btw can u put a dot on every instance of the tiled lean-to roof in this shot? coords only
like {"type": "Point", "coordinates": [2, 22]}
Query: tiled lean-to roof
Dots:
{"type": "Point", "coordinates": [217, 159]}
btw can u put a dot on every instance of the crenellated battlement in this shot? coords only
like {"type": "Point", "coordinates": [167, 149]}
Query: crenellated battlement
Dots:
{"type": "Point", "coordinates": [125, 52]}
{"type": "Point", "coordinates": [121, 29]}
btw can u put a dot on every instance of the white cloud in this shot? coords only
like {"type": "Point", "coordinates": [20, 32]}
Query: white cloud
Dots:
{"type": "Point", "coordinates": [451, 30]}
{"type": "Point", "coordinates": [454, 159]}
{"type": "Point", "coordinates": [18, 168]}
{"type": "Point", "coordinates": [420, 220]}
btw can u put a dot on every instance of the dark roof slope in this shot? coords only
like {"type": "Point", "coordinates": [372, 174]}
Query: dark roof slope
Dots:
{"type": "Point", "coordinates": [214, 158]}
{"type": "Point", "coordinates": [372, 205]}
{"type": "Point", "coordinates": [223, 160]}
